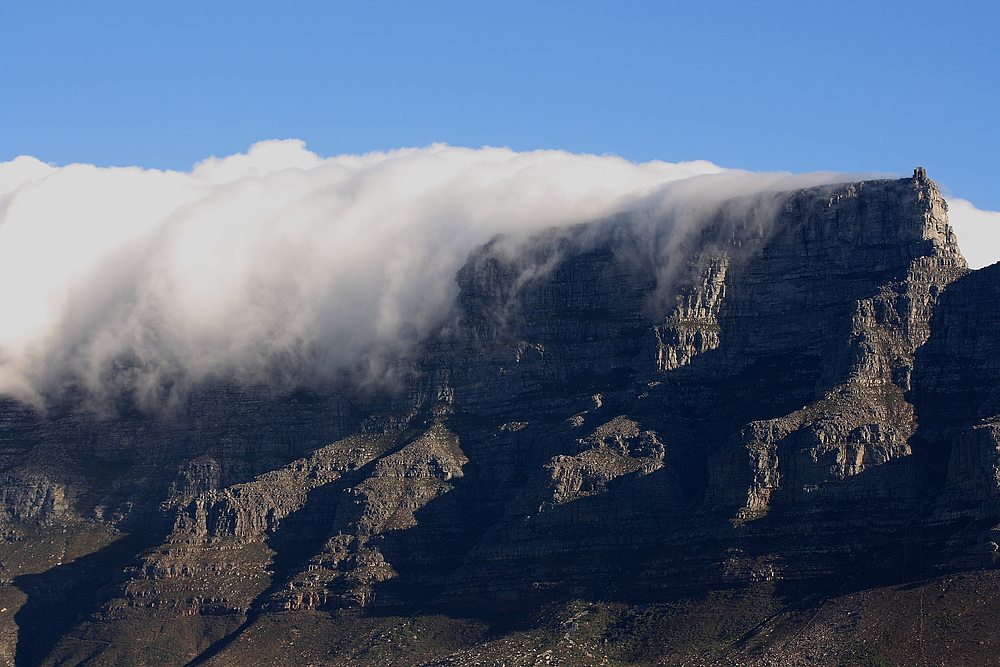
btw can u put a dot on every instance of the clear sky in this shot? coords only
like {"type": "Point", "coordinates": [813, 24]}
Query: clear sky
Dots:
{"type": "Point", "coordinates": [797, 86]}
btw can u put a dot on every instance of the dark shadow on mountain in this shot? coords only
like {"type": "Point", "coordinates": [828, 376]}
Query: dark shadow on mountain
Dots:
{"type": "Point", "coordinates": [67, 594]}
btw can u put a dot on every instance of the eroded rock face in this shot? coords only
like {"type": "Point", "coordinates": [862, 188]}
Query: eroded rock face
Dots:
{"type": "Point", "coordinates": [787, 388]}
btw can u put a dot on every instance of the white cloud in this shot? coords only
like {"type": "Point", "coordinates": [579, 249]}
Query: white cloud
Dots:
{"type": "Point", "coordinates": [978, 232]}
{"type": "Point", "coordinates": [278, 257]}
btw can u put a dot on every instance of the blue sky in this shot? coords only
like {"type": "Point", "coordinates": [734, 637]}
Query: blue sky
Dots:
{"type": "Point", "coordinates": [797, 86]}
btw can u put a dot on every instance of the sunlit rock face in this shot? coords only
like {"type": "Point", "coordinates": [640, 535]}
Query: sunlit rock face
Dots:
{"type": "Point", "coordinates": [795, 384]}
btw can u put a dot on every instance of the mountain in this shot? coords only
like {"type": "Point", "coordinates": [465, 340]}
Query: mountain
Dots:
{"type": "Point", "coordinates": [768, 438]}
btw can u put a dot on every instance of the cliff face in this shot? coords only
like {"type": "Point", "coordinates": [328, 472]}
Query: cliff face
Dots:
{"type": "Point", "coordinates": [792, 388]}
{"type": "Point", "coordinates": [957, 393]}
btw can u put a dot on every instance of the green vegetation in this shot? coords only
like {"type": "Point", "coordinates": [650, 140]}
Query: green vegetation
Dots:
{"type": "Point", "coordinates": [922, 623]}
{"type": "Point", "coordinates": [698, 626]}
{"type": "Point", "coordinates": [864, 655]}
{"type": "Point", "coordinates": [140, 638]}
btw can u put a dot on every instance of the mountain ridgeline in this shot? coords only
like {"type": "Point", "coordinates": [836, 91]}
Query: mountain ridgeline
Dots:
{"type": "Point", "coordinates": [748, 442]}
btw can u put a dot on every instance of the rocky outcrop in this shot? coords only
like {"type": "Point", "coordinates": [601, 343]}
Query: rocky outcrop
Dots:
{"type": "Point", "coordinates": [693, 327]}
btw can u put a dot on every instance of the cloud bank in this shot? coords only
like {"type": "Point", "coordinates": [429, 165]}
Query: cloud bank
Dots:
{"type": "Point", "coordinates": [276, 263]}
{"type": "Point", "coordinates": [978, 232]}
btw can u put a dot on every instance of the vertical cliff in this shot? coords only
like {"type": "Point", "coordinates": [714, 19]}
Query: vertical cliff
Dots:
{"type": "Point", "coordinates": [957, 394]}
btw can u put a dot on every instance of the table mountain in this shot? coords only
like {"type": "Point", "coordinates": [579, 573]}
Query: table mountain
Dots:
{"type": "Point", "coordinates": [638, 441]}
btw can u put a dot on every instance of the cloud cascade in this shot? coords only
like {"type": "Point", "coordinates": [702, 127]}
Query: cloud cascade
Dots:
{"type": "Point", "coordinates": [279, 259]}
{"type": "Point", "coordinates": [978, 232]}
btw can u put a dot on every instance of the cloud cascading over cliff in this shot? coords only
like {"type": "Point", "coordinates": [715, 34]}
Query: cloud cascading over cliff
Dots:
{"type": "Point", "coordinates": [265, 264]}
{"type": "Point", "coordinates": [720, 383]}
